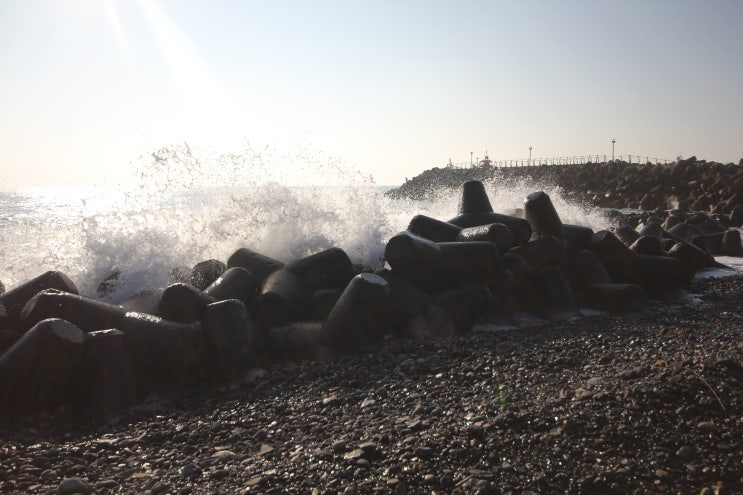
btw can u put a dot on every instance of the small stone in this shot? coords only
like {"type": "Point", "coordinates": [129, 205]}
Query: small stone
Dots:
{"type": "Point", "coordinates": [354, 455]}
{"type": "Point", "coordinates": [72, 486]}
{"type": "Point", "coordinates": [223, 456]}
{"type": "Point", "coordinates": [219, 474]}
{"type": "Point", "coordinates": [370, 449]}
{"type": "Point", "coordinates": [685, 452]}
{"type": "Point", "coordinates": [556, 431]}
{"type": "Point", "coordinates": [331, 401]}
{"type": "Point", "coordinates": [190, 470]}
{"type": "Point", "coordinates": [662, 474]}
{"type": "Point", "coordinates": [258, 480]}
{"type": "Point", "coordinates": [423, 452]}
{"type": "Point", "coordinates": [339, 446]}
{"type": "Point", "coordinates": [160, 489]}
{"type": "Point", "coordinates": [708, 426]}
{"type": "Point", "coordinates": [583, 394]}
{"type": "Point", "coordinates": [49, 476]}
{"type": "Point", "coordinates": [631, 374]}
{"type": "Point", "coordinates": [415, 425]}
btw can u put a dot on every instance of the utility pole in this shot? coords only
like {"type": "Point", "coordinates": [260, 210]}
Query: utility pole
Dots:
{"type": "Point", "coordinates": [612, 148]}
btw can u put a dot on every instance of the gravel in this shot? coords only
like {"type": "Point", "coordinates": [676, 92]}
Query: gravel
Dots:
{"type": "Point", "coordinates": [648, 402]}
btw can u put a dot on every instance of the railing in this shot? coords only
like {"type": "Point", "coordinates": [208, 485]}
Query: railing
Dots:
{"type": "Point", "coordinates": [562, 160]}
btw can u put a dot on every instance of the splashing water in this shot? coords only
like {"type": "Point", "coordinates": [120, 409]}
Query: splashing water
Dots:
{"type": "Point", "coordinates": [189, 205]}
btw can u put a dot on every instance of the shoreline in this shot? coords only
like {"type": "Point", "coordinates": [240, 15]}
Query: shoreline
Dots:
{"type": "Point", "coordinates": [646, 402]}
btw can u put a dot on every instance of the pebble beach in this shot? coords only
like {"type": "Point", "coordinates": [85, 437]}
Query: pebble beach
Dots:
{"type": "Point", "coordinates": [644, 402]}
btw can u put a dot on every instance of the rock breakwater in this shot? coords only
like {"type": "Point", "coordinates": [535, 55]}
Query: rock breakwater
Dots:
{"type": "Point", "coordinates": [223, 319]}
{"type": "Point", "coordinates": [688, 184]}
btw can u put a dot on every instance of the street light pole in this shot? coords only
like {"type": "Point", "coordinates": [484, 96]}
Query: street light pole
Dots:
{"type": "Point", "coordinates": [529, 155]}
{"type": "Point", "coordinates": [612, 148]}
{"type": "Point", "coordinates": [471, 158]}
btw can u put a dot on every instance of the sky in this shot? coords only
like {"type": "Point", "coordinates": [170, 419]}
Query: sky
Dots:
{"type": "Point", "coordinates": [90, 88]}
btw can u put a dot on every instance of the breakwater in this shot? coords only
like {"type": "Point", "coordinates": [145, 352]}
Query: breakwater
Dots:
{"type": "Point", "coordinates": [59, 349]}
{"type": "Point", "coordinates": [692, 184]}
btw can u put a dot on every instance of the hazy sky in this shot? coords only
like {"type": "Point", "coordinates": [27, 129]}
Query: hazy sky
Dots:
{"type": "Point", "coordinates": [391, 88]}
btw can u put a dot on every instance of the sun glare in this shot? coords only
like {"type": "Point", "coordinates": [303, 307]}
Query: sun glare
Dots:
{"type": "Point", "coordinates": [204, 99]}
{"type": "Point", "coordinates": [115, 22]}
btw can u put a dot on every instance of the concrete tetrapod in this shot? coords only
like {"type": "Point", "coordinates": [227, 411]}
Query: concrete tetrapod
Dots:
{"type": "Point", "coordinates": [184, 303]}
{"type": "Point", "coordinates": [228, 340]}
{"type": "Point", "coordinates": [41, 370]}
{"type": "Point", "coordinates": [235, 283]}
{"type": "Point", "coordinates": [15, 299]}
{"type": "Point", "coordinates": [542, 216]}
{"type": "Point", "coordinates": [440, 231]}
{"type": "Point", "coordinates": [361, 315]}
{"type": "Point", "coordinates": [599, 292]}
{"type": "Point", "coordinates": [475, 210]}
{"type": "Point", "coordinates": [205, 272]}
{"type": "Point", "coordinates": [433, 229]}
{"type": "Point", "coordinates": [331, 268]}
{"type": "Point", "coordinates": [261, 266]}
{"type": "Point", "coordinates": [108, 378]}
{"type": "Point", "coordinates": [438, 267]}
{"type": "Point", "coordinates": [85, 313]}
{"type": "Point", "coordinates": [299, 341]}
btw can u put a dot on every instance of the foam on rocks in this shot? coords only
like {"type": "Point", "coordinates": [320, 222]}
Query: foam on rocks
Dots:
{"type": "Point", "coordinates": [225, 318]}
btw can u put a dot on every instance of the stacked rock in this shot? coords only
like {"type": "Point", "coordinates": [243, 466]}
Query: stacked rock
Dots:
{"type": "Point", "coordinates": [547, 268]}
{"type": "Point", "coordinates": [691, 183]}
{"type": "Point", "coordinates": [61, 349]}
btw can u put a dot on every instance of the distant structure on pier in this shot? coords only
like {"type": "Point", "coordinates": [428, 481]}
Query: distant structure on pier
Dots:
{"type": "Point", "coordinates": [486, 162]}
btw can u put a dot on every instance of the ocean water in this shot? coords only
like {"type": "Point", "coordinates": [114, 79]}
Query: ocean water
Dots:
{"type": "Point", "coordinates": [178, 213]}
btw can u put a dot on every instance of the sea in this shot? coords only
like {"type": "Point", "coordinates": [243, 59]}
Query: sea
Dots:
{"type": "Point", "coordinates": [174, 216]}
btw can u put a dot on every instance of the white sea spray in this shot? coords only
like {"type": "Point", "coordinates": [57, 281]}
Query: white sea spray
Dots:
{"type": "Point", "coordinates": [190, 205]}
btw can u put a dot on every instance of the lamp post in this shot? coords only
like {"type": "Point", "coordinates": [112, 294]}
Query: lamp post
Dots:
{"type": "Point", "coordinates": [529, 155]}
{"type": "Point", "coordinates": [471, 158]}
{"type": "Point", "coordinates": [612, 148]}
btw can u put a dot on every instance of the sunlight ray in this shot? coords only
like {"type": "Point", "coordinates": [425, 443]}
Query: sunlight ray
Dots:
{"type": "Point", "coordinates": [201, 92]}
{"type": "Point", "coordinates": [113, 19]}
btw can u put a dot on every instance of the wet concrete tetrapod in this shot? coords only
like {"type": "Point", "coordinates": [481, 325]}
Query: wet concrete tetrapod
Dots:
{"type": "Point", "coordinates": [109, 379]}
{"type": "Point", "coordinates": [475, 210]}
{"type": "Point", "coordinates": [16, 298]}
{"type": "Point", "coordinates": [205, 272]}
{"type": "Point", "coordinates": [260, 265]}
{"type": "Point", "coordinates": [184, 303]}
{"type": "Point", "coordinates": [228, 340]}
{"type": "Point", "coordinates": [437, 267]}
{"type": "Point", "coordinates": [361, 315]}
{"type": "Point", "coordinates": [235, 283]}
{"type": "Point", "coordinates": [598, 291]}
{"type": "Point", "coordinates": [542, 216]}
{"type": "Point", "coordinates": [85, 313]}
{"type": "Point", "coordinates": [433, 229]}
{"type": "Point", "coordinates": [298, 341]}
{"type": "Point", "coordinates": [41, 370]}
